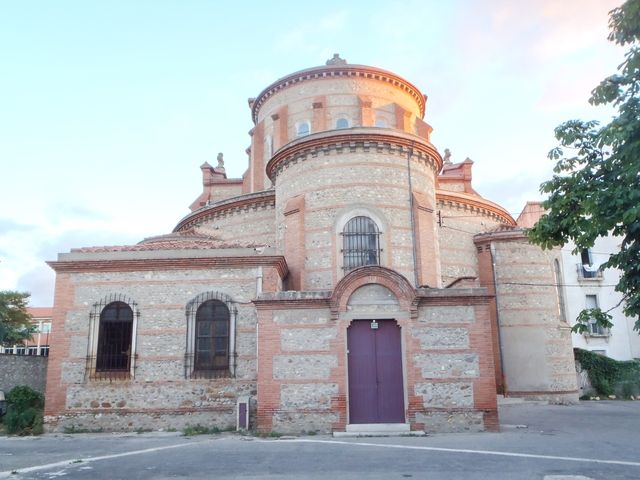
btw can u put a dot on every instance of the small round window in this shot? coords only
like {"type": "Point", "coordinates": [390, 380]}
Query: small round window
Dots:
{"type": "Point", "coordinates": [342, 123]}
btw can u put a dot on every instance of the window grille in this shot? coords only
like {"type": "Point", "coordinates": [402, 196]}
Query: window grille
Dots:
{"type": "Point", "coordinates": [112, 338]}
{"type": "Point", "coordinates": [360, 243]}
{"type": "Point", "coordinates": [210, 350]}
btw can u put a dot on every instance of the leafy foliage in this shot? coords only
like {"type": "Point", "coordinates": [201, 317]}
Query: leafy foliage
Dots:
{"type": "Point", "coordinates": [608, 375]}
{"type": "Point", "coordinates": [595, 189]}
{"type": "Point", "coordinates": [24, 413]}
{"type": "Point", "coordinates": [15, 321]}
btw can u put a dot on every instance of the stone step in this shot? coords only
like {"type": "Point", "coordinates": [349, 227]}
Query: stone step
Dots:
{"type": "Point", "coordinates": [378, 430]}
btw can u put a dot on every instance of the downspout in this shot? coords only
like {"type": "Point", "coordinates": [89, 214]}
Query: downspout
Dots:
{"type": "Point", "coordinates": [492, 250]}
{"type": "Point", "coordinates": [413, 220]}
{"type": "Point", "coordinates": [258, 292]}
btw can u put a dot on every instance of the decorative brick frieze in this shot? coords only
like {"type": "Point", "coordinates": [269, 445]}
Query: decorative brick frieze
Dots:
{"type": "Point", "coordinates": [356, 140]}
{"type": "Point", "coordinates": [331, 72]}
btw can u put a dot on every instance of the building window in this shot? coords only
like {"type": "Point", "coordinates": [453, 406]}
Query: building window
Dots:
{"type": "Point", "coordinates": [210, 351]}
{"type": "Point", "coordinates": [112, 338]}
{"type": "Point", "coordinates": [586, 268]}
{"type": "Point", "coordinates": [591, 301]}
{"type": "Point", "coordinates": [381, 122]}
{"type": "Point", "coordinates": [342, 123]}
{"type": "Point", "coordinates": [268, 146]}
{"type": "Point", "coordinates": [115, 338]}
{"type": "Point", "coordinates": [303, 129]}
{"type": "Point", "coordinates": [360, 243]}
{"type": "Point", "coordinates": [559, 290]}
{"type": "Point", "coordinates": [212, 337]}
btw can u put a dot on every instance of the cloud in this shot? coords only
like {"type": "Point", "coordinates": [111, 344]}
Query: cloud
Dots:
{"type": "Point", "coordinates": [40, 282]}
{"type": "Point", "coordinates": [8, 225]}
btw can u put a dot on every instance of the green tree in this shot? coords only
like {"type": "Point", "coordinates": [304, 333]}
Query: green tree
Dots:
{"type": "Point", "coordinates": [15, 321]}
{"type": "Point", "coordinates": [595, 189]}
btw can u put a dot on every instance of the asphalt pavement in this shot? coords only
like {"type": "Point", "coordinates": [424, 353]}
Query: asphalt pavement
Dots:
{"type": "Point", "coordinates": [592, 440]}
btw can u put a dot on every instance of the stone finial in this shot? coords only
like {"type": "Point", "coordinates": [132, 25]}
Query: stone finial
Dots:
{"type": "Point", "coordinates": [220, 159]}
{"type": "Point", "coordinates": [447, 156]}
{"type": "Point", "coordinates": [336, 60]}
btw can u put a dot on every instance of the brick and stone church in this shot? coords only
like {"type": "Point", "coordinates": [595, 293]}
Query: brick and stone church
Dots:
{"type": "Point", "coordinates": [352, 280]}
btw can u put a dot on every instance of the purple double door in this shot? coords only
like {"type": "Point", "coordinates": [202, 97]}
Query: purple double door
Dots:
{"type": "Point", "coordinates": [376, 394]}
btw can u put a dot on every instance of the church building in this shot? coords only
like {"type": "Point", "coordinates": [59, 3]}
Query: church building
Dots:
{"type": "Point", "coordinates": [351, 281]}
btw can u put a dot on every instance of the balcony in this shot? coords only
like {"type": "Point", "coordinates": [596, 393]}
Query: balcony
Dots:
{"type": "Point", "coordinates": [589, 272]}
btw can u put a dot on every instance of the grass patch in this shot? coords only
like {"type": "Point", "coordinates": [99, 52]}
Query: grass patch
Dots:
{"type": "Point", "coordinates": [269, 434]}
{"type": "Point", "coordinates": [191, 430]}
{"type": "Point", "coordinates": [73, 429]}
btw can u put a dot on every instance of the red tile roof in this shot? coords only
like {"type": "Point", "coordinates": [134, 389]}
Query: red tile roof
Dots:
{"type": "Point", "coordinates": [188, 240]}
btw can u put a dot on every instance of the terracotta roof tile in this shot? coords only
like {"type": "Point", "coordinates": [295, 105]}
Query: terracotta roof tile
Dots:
{"type": "Point", "coordinates": [188, 240]}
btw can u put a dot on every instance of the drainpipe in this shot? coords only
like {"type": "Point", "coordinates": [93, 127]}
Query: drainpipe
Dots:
{"type": "Point", "coordinates": [492, 250]}
{"type": "Point", "coordinates": [413, 220]}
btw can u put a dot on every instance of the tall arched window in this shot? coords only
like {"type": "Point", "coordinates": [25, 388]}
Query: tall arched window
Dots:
{"type": "Point", "coordinates": [360, 243]}
{"type": "Point", "coordinates": [211, 339]}
{"type": "Point", "coordinates": [115, 339]}
{"type": "Point", "coordinates": [559, 290]}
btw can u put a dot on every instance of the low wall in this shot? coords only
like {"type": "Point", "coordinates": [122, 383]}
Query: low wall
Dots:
{"type": "Point", "coordinates": [26, 370]}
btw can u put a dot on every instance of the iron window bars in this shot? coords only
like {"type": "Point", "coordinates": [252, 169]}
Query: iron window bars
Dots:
{"type": "Point", "coordinates": [360, 243]}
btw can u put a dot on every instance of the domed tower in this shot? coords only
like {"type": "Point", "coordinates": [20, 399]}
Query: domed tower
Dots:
{"type": "Point", "coordinates": [354, 173]}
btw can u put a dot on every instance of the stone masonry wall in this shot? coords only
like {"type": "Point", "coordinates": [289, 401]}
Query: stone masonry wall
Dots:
{"type": "Point", "coordinates": [336, 184]}
{"type": "Point", "coordinates": [448, 379]}
{"type": "Point", "coordinates": [242, 225]}
{"type": "Point", "coordinates": [536, 343]}
{"type": "Point", "coordinates": [158, 395]}
{"type": "Point", "coordinates": [19, 370]}
{"type": "Point", "coordinates": [299, 357]}
{"type": "Point", "coordinates": [344, 101]}
{"type": "Point", "coordinates": [457, 250]}
{"type": "Point", "coordinates": [450, 367]}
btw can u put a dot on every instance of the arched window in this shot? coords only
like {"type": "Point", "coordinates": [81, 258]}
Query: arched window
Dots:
{"type": "Point", "coordinates": [360, 243]}
{"type": "Point", "coordinates": [115, 335]}
{"type": "Point", "coordinates": [268, 146]}
{"type": "Point", "coordinates": [381, 122]}
{"type": "Point", "coordinates": [303, 129]}
{"type": "Point", "coordinates": [342, 123]}
{"type": "Point", "coordinates": [559, 290]}
{"type": "Point", "coordinates": [212, 338]}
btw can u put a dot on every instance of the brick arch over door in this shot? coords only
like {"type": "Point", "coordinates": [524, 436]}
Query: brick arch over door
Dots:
{"type": "Point", "coordinates": [392, 280]}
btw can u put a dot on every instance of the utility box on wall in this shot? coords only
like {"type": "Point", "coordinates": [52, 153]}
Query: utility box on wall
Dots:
{"type": "Point", "coordinates": [242, 414]}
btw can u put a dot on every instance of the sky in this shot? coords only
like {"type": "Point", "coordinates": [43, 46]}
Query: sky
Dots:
{"type": "Point", "coordinates": [107, 109]}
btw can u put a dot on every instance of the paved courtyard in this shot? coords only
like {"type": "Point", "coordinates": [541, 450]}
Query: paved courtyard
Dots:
{"type": "Point", "coordinates": [594, 440]}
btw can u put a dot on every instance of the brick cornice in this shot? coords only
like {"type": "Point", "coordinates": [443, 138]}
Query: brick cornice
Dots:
{"type": "Point", "coordinates": [355, 139]}
{"type": "Point", "coordinates": [515, 234]}
{"type": "Point", "coordinates": [474, 203]}
{"type": "Point", "coordinates": [266, 198]}
{"type": "Point", "coordinates": [147, 264]}
{"type": "Point", "coordinates": [338, 71]}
